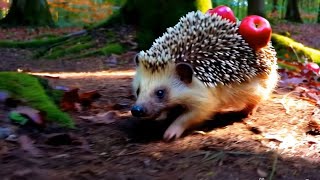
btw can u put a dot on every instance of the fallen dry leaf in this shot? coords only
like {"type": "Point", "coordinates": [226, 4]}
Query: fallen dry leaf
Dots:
{"type": "Point", "coordinates": [72, 99]}
{"type": "Point", "coordinates": [262, 173]}
{"type": "Point", "coordinates": [27, 145]}
{"type": "Point", "coordinates": [69, 99]}
{"type": "Point", "coordinates": [87, 98]}
{"type": "Point", "coordinates": [103, 118]}
{"type": "Point", "coordinates": [313, 127]}
{"type": "Point", "coordinates": [314, 96]}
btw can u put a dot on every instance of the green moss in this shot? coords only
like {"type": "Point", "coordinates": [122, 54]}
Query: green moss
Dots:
{"type": "Point", "coordinates": [28, 88]}
{"type": "Point", "coordinates": [281, 42]}
{"type": "Point", "coordinates": [113, 48]}
{"type": "Point", "coordinates": [32, 43]}
{"type": "Point", "coordinates": [54, 94]}
{"type": "Point", "coordinates": [60, 51]}
{"type": "Point", "coordinates": [110, 34]}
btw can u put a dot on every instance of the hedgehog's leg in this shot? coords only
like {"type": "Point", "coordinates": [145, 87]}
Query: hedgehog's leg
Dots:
{"type": "Point", "coordinates": [249, 110]}
{"type": "Point", "coordinates": [183, 122]}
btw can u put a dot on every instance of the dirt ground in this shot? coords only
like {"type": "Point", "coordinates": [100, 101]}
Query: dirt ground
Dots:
{"type": "Point", "coordinates": [272, 144]}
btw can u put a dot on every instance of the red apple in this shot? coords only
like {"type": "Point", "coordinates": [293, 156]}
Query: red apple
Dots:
{"type": "Point", "coordinates": [223, 11]}
{"type": "Point", "coordinates": [313, 67]}
{"type": "Point", "coordinates": [256, 31]}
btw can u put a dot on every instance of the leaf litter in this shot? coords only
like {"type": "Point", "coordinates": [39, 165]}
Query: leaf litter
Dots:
{"type": "Point", "coordinates": [284, 134]}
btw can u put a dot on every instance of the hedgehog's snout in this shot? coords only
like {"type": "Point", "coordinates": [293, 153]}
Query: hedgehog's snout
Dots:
{"type": "Point", "coordinates": [138, 111]}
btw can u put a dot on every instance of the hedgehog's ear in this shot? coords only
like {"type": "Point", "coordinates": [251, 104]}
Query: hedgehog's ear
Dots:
{"type": "Point", "coordinates": [136, 59]}
{"type": "Point", "coordinates": [185, 72]}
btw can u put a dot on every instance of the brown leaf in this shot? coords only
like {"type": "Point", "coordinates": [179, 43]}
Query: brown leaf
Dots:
{"type": "Point", "coordinates": [103, 118]}
{"type": "Point", "coordinates": [262, 173]}
{"type": "Point", "coordinates": [314, 96]}
{"type": "Point", "coordinates": [313, 127]}
{"type": "Point", "coordinates": [69, 99]}
{"type": "Point", "coordinates": [27, 145]}
{"type": "Point", "coordinates": [87, 98]}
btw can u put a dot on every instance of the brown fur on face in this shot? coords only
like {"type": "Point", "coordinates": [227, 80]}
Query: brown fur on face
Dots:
{"type": "Point", "coordinates": [152, 104]}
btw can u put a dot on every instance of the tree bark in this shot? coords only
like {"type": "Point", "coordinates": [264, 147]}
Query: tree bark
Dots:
{"type": "Point", "coordinates": [28, 13]}
{"type": "Point", "coordinates": [274, 6]}
{"type": "Point", "coordinates": [256, 7]}
{"type": "Point", "coordinates": [319, 13]}
{"type": "Point", "coordinates": [153, 17]}
{"type": "Point", "coordinates": [292, 13]}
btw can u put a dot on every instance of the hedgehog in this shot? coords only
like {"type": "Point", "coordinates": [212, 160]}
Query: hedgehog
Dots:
{"type": "Point", "coordinates": [205, 66]}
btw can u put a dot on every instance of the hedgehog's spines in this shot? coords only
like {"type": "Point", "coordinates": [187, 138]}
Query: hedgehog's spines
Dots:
{"type": "Point", "coordinates": [212, 45]}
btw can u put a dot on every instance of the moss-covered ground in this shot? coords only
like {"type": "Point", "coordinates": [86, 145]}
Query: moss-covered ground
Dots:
{"type": "Point", "coordinates": [28, 89]}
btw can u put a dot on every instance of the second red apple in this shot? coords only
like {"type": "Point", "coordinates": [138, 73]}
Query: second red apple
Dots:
{"type": "Point", "coordinates": [256, 31]}
{"type": "Point", "coordinates": [224, 12]}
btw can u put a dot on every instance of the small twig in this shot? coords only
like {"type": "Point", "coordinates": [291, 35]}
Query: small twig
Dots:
{"type": "Point", "coordinates": [130, 153]}
{"type": "Point", "coordinates": [274, 166]}
{"type": "Point", "coordinates": [67, 37]}
{"type": "Point", "coordinates": [295, 52]}
{"type": "Point", "coordinates": [217, 156]}
{"type": "Point", "coordinates": [240, 153]}
{"type": "Point", "coordinates": [77, 33]}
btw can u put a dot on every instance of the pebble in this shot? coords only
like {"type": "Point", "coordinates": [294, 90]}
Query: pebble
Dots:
{"type": "Point", "coordinates": [12, 138]}
{"type": "Point", "coordinates": [5, 132]}
{"type": "Point", "coordinates": [4, 95]}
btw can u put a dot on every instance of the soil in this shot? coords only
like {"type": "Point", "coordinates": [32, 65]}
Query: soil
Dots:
{"type": "Point", "coordinates": [271, 144]}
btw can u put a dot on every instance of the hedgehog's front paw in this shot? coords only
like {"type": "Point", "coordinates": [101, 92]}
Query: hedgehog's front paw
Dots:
{"type": "Point", "coordinates": [174, 131]}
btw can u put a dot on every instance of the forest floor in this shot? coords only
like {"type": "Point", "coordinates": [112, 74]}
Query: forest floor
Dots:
{"type": "Point", "coordinates": [277, 142]}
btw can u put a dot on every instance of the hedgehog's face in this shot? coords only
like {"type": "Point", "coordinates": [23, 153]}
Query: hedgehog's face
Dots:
{"type": "Point", "coordinates": [160, 92]}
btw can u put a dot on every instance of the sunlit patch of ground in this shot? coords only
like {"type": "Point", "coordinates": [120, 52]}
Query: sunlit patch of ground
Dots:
{"type": "Point", "coordinates": [282, 120]}
{"type": "Point", "coordinates": [271, 143]}
{"type": "Point", "coordinates": [75, 75]}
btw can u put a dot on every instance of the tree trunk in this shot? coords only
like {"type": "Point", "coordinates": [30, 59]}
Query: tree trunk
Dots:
{"type": "Point", "coordinates": [319, 13]}
{"type": "Point", "coordinates": [153, 17]}
{"type": "Point", "coordinates": [256, 7]}
{"type": "Point", "coordinates": [292, 13]}
{"type": "Point", "coordinates": [150, 19]}
{"type": "Point", "coordinates": [274, 6]}
{"type": "Point", "coordinates": [28, 13]}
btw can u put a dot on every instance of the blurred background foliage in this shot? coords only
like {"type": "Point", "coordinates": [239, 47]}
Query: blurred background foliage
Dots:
{"type": "Point", "coordinates": [67, 13]}
{"type": "Point", "coordinates": [77, 13]}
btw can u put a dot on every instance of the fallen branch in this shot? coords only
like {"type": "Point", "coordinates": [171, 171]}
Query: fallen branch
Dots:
{"type": "Point", "coordinates": [40, 42]}
{"type": "Point", "coordinates": [283, 42]}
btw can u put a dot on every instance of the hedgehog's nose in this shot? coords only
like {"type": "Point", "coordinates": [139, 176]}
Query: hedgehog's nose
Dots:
{"type": "Point", "coordinates": [138, 111]}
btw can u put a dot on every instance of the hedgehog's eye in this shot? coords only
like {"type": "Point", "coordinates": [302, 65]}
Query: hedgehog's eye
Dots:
{"type": "Point", "coordinates": [138, 91]}
{"type": "Point", "coordinates": [160, 93]}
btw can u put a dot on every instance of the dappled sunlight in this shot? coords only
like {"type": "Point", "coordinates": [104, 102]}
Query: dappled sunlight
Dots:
{"type": "Point", "coordinates": [79, 74]}
{"type": "Point", "coordinates": [281, 126]}
{"type": "Point", "coordinates": [282, 122]}
{"type": "Point", "coordinates": [280, 132]}
{"type": "Point", "coordinates": [278, 129]}
{"type": "Point", "coordinates": [286, 133]}
{"type": "Point", "coordinates": [98, 74]}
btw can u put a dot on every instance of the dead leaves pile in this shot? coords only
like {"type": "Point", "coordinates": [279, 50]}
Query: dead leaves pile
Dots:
{"type": "Point", "coordinates": [303, 82]}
